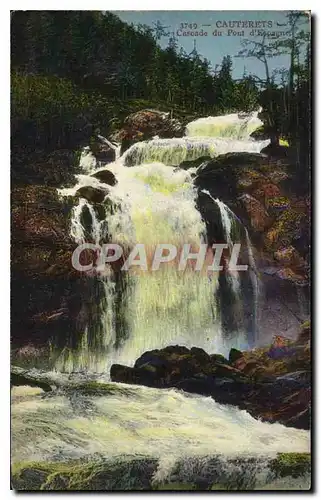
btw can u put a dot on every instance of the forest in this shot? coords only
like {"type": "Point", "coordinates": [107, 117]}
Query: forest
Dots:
{"type": "Point", "coordinates": [73, 72]}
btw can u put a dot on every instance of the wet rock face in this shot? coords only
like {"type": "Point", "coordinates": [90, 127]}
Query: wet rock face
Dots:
{"type": "Point", "coordinates": [259, 218]}
{"type": "Point", "coordinates": [145, 125]}
{"type": "Point", "coordinates": [105, 176]}
{"type": "Point", "coordinates": [94, 195]}
{"type": "Point", "coordinates": [185, 165]}
{"type": "Point", "coordinates": [47, 290]}
{"type": "Point", "coordinates": [271, 383]}
{"type": "Point", "coordinates": [102, 150]}
{"type": "Point", "coordinates": [258, 189]}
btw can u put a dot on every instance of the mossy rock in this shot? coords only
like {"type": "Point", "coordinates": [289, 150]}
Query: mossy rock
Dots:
{"type": "Point", "coordinates": [91, 194]}
{"type": "Point", "coordinates": [20, 377]}
{"type": "Point", "coordinates": [287, 229]}
{"type": "Point", "coordinates": [105, 176]}
{"type": "Point", "coordinates": [234, 355]}
{"type": "Point", "coordinates": [185, 165]}
{"type": "Point", "coordinates": [283, 142]}
{"type": "Point", "coordinates": [95, 474]}
{"type": "Point", "coordinates": [278, 203]}
{"type": "Point", "coordinates": [305, 332]}
{"type": "Point", "coordinates": [94, 388]}
{"type": "Point", "coordinates": [291, 464]}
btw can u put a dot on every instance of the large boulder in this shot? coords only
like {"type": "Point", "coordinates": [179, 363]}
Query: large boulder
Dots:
{"type": "Point", "coordinates": [259, 190]}
{"type": "Point", "coordinates": [259, 218]}
{"type": "Point", "coordinates": [146, 124]}
{"type": "Point", "coordinates": [103, 150]}
{"type": "Point", "coordinates": [18, 377]}
{"type": "Point", "coordinates": [186, 165]}
{"type": "Point", "coordinates": [92, 194]}
{"type": "Point", "coordinates": [105, 176]}
{"type": "Point", "coordinates": [48, 292]}
{"type": "Point", "coordinates": [262, 381]}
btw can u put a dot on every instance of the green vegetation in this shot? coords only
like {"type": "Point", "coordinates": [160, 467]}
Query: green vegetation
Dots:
{"type": "Point", "coordinates": [135, 473]}
{"type": "Point", "coordinates": [94, 474]}
{"type": "Point", "coordinates": [291, 464]}
{"type": "Point", "coordinates": [80, 71]}
{"type": "Point", "coordinates": [73, 475]}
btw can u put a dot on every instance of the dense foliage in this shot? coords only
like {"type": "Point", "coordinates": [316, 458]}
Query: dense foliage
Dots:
{"type": "Point", "coordinates": [73, 71]}
{"type": "Point", "coordinates": [85, 64]}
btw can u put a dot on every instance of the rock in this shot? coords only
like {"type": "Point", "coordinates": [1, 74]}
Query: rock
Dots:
{"type": "Point", "coordinates": [227, 371]}
{"type": "Point", "coordinates": [200, 354]}
{"type": "Point", "coordinates": [103, 150]}
{"type": "Point", "coordinates": [20, 377]}
{"type": "Point", "coordinates": [289, 229]}
{"type": "Point", "coordinates": [287, 274]}
{"type": "Point", "coordinates": [260, 134]}
{"type": "Point", "coordinates": [145, 375]}
{"type": "Point", "coordinates": [94, 473]}
{"type": "Point", "coordinates": [266, 192]}
{"type": "Point", "coordinates": [275, 151]}
{"type": "Point", "coordinates": [290, 257]}
{"type": "Point", "coordinates": [259, 218]}
{"type": "Point", "coordinates": [277, 204]}
{"type": "Point", "coordinates": [105, 176]}
{"type": "Point", "coordinates": [291, 465]}
{"type": "Point", "coordinates": [218, 358]}
{"type": "Point", "coordinates": [146, 124]}
{"type": "Point", "coordinates": [304, 336]}
{"type": "Point", "coordinates": [185, 165]}
{"type": "Point", "coordinates": [94, 195]}
{"type": "Point", "coordinates": [49, 293]}
{"type": "Point", "coordinates": [39, 216]}
{"type": "Point", "coordinates": [234, 355]}
{"type": "Point", "coordinates": [256, 188]}
{"type": "Point", "coordinates": [270, 383]}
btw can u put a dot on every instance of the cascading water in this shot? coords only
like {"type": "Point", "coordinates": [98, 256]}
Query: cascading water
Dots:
{"type": "Point", "coordinates": [239, 326]}
{"type": "Point", "coordinates": [175, 151]}
{"type": "Point", "coordinates": [236, 126]}
{"type": "Point", "coordinates": [156, 204]}
{"type": "Point", "coordinates": [179, 437]}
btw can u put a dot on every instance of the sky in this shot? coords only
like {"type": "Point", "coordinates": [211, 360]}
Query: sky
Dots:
{"type": "Point", "coordinates": [214, 47]}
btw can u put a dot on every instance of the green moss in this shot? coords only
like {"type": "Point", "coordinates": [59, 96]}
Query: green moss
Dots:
{"type": "Point", "coordinates": [306, 325]}
{"type": "Point", "coordinates": [98, 388]}
{"type": "Point", "coordinates": [217, 487]}
{"type": "Point", "coordinates": [94, 474]}
{"type": "Point", "coordinates": [278, 202]}
{"type": "Point", "coordinates": [74, 475]}
{"type": "Point", "coordinates": [287, 228]}
{"type": "Point", "coordinates": [284, 142]}
{"type": "Point", "coordinates": [291, 464]}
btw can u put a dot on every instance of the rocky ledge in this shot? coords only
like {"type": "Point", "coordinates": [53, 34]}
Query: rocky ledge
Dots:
{"type": "Point", "coordinates": [271, 383]}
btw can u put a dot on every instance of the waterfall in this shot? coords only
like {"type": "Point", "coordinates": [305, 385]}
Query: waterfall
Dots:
{"type": "Point", "coordinates": [236, 126]}
{"type": "Point", "coordinates": [94, 434]}
{"type": "Point", "coordinates": [88, 162]}
{"type": "Point", "coordinates": [156, 203]}
{"type": "Point", "coordinates": [174, 151]}
{"type": "Point", "coordinates": [78, 230]}
{"type": "Point", "coordinates": [228, 219]}
{"type": "Point", "coordinates": [234, 287]}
